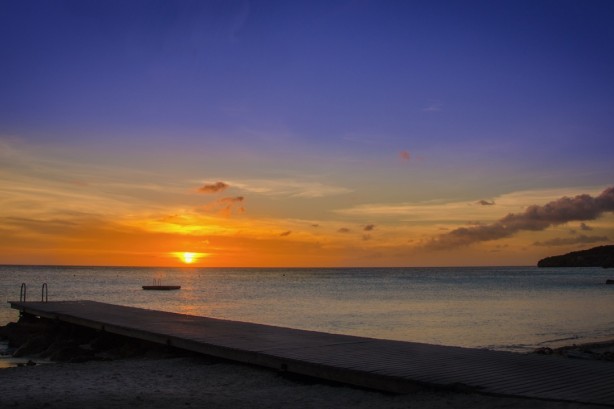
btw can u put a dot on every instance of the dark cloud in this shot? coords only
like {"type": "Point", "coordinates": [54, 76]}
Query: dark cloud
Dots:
{"type": "Point", "coordinates": [369, 227]}
{"type": "Point", "coordinates": [585, 227]}
{"type": "Point", "coordinates": [286, 233]}
{"type": "Point", "coordinates": [486, 202]}
{"type": "Point", "coordinates": [315, 225]}
{"type": "Point", "coordinates": [581, 239]}
{"type": "Point", "coordinates": [534, 218]}
{"type": "Point", "coordinates": [236, 199]}
{"type": "Point", "coordinates": [227, 205]}
{"type": "Point", "coordinates": [344, 230]}
{"type": "Point", "coordinates": [233, 204]}
{"type": "Point", "coordinates": [213, 188]}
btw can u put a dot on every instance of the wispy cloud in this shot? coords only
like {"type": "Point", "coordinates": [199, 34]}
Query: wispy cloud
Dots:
{"type": "Point", "coordinates": [534, 218]}
{"type": "Point", "coordinates": [213, 187]}
{"type": "Point", "coordinates": [581, 239]}
{"type": "Point", "coordinates": [344, 230]}
{"type": "Point", "coordinates": [50, 227]}
{"type": "Point", "coordinates": [432, 211]}
{"type": "Point", "coordinates": [227, 205]}
{"type": "Point", "coordinates": [585, 227]}
{"type": "Point", "coordinates": [286, 233]}
{"type": "Point", "coordinates": [289, 187]}
{"type": "Point", "coordinates": [369, 227]}
{"type": "Point", "coordinates": [459, 211]}
{"type": "Point", "coordinates": [232, 199]}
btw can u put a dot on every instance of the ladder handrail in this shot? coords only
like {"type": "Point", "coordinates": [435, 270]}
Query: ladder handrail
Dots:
{"type": "Point", "coordinates": [44, 293]}
{"type": "Point", "coordinates": [22, 292]}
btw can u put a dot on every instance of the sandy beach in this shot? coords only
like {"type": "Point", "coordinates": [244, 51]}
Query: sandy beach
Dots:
{"type": "Point", "coordinates": [196, 381]}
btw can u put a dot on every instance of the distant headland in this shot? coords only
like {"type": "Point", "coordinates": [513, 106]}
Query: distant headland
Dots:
{"type": "Point", "coordinates": [602, 256]}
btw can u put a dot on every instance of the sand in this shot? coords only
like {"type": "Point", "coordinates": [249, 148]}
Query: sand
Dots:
{"type": "Point", "coordinates": [201, 382]}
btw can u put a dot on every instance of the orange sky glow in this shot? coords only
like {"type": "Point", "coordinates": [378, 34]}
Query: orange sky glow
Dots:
{"type": "Point", "coordinates": [315, 134]}
{"type": "Point", "coordinates": [49, 219]}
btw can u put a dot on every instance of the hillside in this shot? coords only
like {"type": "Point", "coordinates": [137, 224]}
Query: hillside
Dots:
{"type": "Point", "coordinates": [602, 256]}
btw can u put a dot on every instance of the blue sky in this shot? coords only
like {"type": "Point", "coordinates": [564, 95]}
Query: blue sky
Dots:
{"type": "Point", "coordinates": [354, 103]}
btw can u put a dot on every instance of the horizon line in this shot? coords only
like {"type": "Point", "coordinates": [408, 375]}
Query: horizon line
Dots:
{"type": "Point", "coordinates": [260, 267]}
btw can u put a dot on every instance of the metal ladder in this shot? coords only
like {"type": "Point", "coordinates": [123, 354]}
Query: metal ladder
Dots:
{"type": "Point", "coordinates": [44, 293]}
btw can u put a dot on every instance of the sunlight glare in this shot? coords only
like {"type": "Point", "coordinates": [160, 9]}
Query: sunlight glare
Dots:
{"type": "Point", "coordinates": [188, 258]}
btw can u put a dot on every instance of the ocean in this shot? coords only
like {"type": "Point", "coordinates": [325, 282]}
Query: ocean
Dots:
{"type": "Point", "coordinates": [502, 308]}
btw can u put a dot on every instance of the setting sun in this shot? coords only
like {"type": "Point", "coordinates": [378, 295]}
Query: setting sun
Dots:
{"type": "Point", "coordinates": [188, 258]}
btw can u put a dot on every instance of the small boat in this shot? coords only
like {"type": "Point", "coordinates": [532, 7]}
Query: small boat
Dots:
{"type": "Point", "coordinates": [157, 286]}
{"type": "Point", "coordinates": [161, 287]}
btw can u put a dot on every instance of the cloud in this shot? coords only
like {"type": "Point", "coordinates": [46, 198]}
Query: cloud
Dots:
{"type": "Point", "coordinates": [344, 230]}
{"type": "Point", "coordinates": [286, 233]}
{"type": "Point", "coordinates": [236, 199]}
{"type": "Point", "coordinates": [486, 202]}
{"type": "Point", "coordinates": [49, 227]}
{"type": "Point", "coordinates": [582, 239]}
{"type": "Point", "coordinates": [289, 187]}
{"type": "Point", "coordinates": [369, 227]}
{"type": "Point", "coordinates": [534, 218]}
{"type": "Point", "coordinates": [227, 205]}
{"type": "Point", "coordinates": [441, 210]}
{"type": "Point", "coordinates": [405, 155]}
{"type": "Point", "coordinates": [213, 188]}
{"type": "Point", "coordinates": [585, 227]}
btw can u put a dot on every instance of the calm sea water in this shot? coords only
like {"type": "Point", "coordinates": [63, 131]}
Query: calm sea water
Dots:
{"type": "Point", "coordinates": [504, 308]}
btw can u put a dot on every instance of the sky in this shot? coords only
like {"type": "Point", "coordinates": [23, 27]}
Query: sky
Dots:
{"type": "Point", "coordinates": [305, 133]}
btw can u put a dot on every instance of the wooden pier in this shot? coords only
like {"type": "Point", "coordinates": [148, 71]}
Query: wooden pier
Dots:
{"type": "Point", "coordinates": [391, 366]}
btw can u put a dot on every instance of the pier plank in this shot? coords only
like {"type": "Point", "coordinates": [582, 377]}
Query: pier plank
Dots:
{"type": "Point", "coordinates": [393, 366]}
